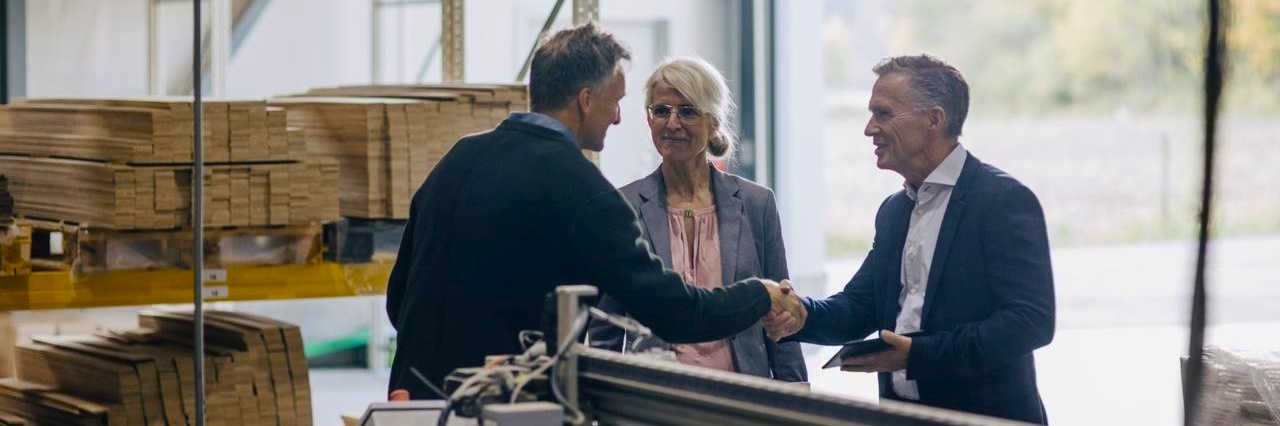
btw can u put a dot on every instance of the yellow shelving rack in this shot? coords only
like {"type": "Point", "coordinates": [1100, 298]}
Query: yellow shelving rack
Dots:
{"type": "Point", "coordinates": [62, 290]}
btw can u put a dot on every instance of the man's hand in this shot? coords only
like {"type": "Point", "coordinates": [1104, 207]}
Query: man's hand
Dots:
{"type": "Point", "coordinates": [787, 315]}
{"type": "Point", "coordinates": [884, 361]}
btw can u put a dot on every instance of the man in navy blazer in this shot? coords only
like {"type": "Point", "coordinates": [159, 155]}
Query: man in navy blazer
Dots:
{"type": "Point", "coordinates": [960, 260]}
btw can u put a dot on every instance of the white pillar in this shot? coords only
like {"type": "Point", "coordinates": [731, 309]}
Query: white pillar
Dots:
{"type": "Point", "coordinates": [798, 112]}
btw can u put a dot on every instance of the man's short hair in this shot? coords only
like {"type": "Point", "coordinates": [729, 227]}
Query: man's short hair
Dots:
{"type": "Point", "coordinates": [936, 83]}
{"type": "Point", "coordinates": [578, 57]}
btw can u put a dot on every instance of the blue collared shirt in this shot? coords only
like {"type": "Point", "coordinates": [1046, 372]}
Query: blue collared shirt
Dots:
{"type": "Point", "coordinates": [543, 120]}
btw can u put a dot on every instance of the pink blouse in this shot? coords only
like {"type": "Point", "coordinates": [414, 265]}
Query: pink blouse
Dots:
{"type": "Point", "coordinates": [699, 264]}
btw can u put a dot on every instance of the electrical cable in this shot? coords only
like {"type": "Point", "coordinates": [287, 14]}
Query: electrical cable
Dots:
{"type": "Point", "coordinates": [579, 326]}
{"type": "Point", "coordinates": [627, 324]}
{"type": "Point", "coordinates": [430, 385]}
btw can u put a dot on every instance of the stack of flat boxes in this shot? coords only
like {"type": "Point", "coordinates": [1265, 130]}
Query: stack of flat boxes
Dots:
{"type": "Point", "coordinates": [129, 159]}
{"type": "Point", "coordinates": [255, 374]}
{"type": "Point", "coordinates": [388, 138]}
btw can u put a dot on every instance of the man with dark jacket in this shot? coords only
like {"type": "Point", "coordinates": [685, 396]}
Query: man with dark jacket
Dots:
{"type": "Point", "coordinates": [508, 215]}
{"type": "Point", "coordinates": [960, 260]}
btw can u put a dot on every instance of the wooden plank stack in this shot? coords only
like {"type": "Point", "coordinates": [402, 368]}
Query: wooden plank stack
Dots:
{"type": "Point", "coordinates": [255, 374]}
{"type": "Point", "coordinates": [128, 162]}
{"type": "Point", "coordinates": [387, 139]}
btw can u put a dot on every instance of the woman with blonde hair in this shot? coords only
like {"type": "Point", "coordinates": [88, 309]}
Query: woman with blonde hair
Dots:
{"type": "Point", "coordinates": [711, 227]}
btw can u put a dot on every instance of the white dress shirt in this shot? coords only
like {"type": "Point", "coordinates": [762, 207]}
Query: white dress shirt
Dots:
{"type": "Point", "coordinates": [931, 201]}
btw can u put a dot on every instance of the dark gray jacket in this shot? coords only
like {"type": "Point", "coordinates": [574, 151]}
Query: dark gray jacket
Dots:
{"type": "Point", "coordinates": [750, 246]}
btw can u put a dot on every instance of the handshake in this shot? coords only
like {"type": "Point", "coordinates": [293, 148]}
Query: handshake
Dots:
{"type": "Point", "coordinates": [787, 315]}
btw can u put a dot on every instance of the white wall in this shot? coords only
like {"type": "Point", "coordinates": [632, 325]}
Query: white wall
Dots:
{"type": "Point", "coordinates": [799, 109]}
{"type": "Point", "coordinates": [300, 44]}
{"type": "Point", "coordinates": [86, 48]}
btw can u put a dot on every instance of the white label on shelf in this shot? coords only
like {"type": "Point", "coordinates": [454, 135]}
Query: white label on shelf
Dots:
{"type": "Point", "coordinates": [216, 292]}
{"type": "Point", "coordinates": [215, 275]}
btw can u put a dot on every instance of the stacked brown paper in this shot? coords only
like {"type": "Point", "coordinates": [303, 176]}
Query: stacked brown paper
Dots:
{"type": "Point", "coordinates": [158, 197]}
{"type": "Point", "coordinates": [145, 130]}
{"type": "Point", "coordinates": [387, 139]}
{"type": "Point", "coordinates": [43, 405]}
{"type": "Point", "coordinates": [126, 164]}
{"type": "Point", "coordinates": [255, 374]}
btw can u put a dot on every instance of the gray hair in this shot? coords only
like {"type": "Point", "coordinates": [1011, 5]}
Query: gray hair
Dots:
{"type": "Point", "coordinates": [570, 60]}
{"type": "Point", "coordinates": [705, 87]}
{"type": "Point", "coordinates": [936, 83]}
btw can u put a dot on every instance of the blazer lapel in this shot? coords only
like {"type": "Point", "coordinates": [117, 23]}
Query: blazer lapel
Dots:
{"type": "Point", "coordinates": [947, 234]}
{"type": "Point", "coordinates": [653, 212]}
{"type": "Point", "coordinates": [730, 212]}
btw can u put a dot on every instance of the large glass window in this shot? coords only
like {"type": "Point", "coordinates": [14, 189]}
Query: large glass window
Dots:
{"type": "Point", "coordinates": [1096, 107]}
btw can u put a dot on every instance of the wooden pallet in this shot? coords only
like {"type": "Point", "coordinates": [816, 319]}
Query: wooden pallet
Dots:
{"type": "Point", "coordinates": [354, 240]}
{"type": "Point", "coordinates": [95, 250]}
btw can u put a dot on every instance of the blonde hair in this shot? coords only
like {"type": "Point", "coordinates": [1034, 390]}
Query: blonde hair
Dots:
{"type": "Point", "coordinates": [706, 89]}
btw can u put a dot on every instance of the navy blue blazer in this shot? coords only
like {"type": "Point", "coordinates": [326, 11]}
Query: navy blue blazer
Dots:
{"type": "Point", "coordinates": [988, 303]}
{"type": "Point", "coordinates": [750, 246]}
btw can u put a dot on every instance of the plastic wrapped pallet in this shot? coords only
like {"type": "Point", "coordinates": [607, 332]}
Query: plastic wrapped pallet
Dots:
{"type": "Point", "coordinates": [1240, 388]}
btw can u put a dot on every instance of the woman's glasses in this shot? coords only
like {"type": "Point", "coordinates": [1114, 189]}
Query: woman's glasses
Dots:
{"type": "Point", "coordinates": [662, 113]}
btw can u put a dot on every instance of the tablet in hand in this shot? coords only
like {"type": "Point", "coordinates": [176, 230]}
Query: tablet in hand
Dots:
{"type": "Point", "coordinates": [857, 348]}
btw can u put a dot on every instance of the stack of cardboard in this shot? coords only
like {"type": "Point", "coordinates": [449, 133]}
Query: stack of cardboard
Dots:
{"type": "Point", "coordinates": [145, 130]}
{"type": "Point", "coordinates": [255, 374]}
{"type": "Point", "coordinates": [387, 139]}
{"type": "Point", "coordinates": [37, 404]}
{"type": "Point", "coordinates": [271, 350]}
{"type": "Point", "coordinates": [354, 132]}
{"type": "Point", "coordinates": [158, 197]}
{"type": "Point", "coordinates": [128, 161]}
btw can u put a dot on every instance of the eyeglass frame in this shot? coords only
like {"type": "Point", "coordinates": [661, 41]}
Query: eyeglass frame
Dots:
{"type": "Point", "coordinates": [675, 111]}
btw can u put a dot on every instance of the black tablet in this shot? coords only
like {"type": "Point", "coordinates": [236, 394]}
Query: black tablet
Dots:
{"type": "Point", "coordinates": [857, 348]}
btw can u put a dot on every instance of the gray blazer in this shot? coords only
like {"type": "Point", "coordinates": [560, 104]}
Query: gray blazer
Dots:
{"type": "Point", "coordinates": [750, 246]}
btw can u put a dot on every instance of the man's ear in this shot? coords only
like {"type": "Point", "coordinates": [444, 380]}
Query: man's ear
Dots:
{"type": "Point", "coordinates": [937, 117]}
{"type": "Point", "coordinates": [584, 99]}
